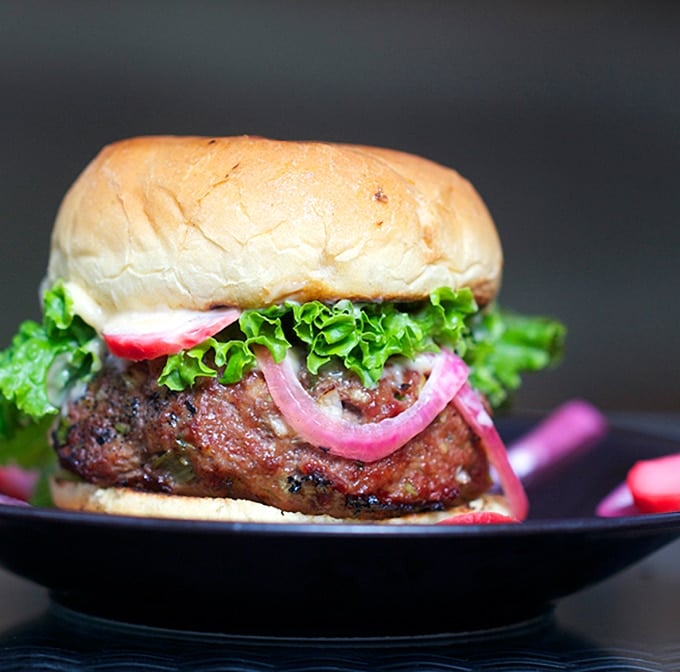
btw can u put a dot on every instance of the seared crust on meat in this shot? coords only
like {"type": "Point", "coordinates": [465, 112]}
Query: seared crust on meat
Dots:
{"type": "Point", "coordinates": [231, 441]}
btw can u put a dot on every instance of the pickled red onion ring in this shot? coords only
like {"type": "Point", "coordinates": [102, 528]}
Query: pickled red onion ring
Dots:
{"type": "Point", "coordinates": [470, 406]}
{"type": "Point", "coordinates": [367, 442]}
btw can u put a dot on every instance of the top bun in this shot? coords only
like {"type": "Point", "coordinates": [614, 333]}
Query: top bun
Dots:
{"type": "Point", "coordinates": [165, 223]}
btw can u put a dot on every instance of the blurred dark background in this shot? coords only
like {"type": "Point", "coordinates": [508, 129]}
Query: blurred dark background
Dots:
{"type": "Point", "coordinates": [564, 115]}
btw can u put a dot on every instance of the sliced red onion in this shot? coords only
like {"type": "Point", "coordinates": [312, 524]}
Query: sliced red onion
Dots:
{"type": "Point", "coordinates": [568, 432]}
{"type": "Point", "coordinates": [367, 442]}
{"type": "Point", "coordinates": [140, 336]}
{"type": "Point", "coordinates": [619, 502]}
{"type": "Point", "coordinates": [470, 406]}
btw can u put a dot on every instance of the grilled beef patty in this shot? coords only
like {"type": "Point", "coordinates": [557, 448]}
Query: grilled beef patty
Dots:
{"type": "Point", "coordinates": [231, 441]}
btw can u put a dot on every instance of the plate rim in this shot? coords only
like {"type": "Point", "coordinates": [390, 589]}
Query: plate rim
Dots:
{"type": "Point", "coordinates": [656, 522]}
{"type": "Point", "coordinates": [576, 525]}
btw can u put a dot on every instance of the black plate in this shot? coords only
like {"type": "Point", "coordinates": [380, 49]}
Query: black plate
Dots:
{"type": "Point", "coordinates": [339, 580]}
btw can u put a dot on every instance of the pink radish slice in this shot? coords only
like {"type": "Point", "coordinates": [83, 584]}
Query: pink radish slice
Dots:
{"type": "Point", "coordinates": [655, 484]}
{"type": "Point", "coordinates": [140, 336]}
{"type": "Point", "coordinates": [651, 486]}
{"type": "Point", "coordinates": [370, 441]}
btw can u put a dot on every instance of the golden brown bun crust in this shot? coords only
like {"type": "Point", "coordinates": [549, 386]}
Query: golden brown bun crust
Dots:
{"type": "Point", "coordinates": [80, 496]}
{"type": "Point", "coordinates": [166, 222]}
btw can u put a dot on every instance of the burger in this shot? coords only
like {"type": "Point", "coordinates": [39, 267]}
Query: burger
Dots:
{"type": "Point", "coordinates": [248, 329]}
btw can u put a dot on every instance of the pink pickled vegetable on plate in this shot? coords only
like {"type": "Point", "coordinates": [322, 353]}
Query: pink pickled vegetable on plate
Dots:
{"type": "Point", "coordinates": [619, 502]}
{"type": "Point", "coordinates": [568, 432]}
{"type": "Point", "coordinates": [479, 518]}
{"type": "Point", "coordinates": [12, 501]}
{"type": "Point", "coordinates": [651, 486]}
{"type": "Point", "coordinates": [655, 484]}
{"type": "Point", "coordinates": [17, 483]}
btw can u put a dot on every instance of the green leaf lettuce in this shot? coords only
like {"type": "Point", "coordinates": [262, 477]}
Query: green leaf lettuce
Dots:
{"type": "Point", "coordinates": [45, 361]}
{"type": "Point", "coordinates": [41, 364]}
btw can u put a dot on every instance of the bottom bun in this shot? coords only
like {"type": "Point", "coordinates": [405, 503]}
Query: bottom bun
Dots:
{"type": "Point", "coordinates": [81, 496]}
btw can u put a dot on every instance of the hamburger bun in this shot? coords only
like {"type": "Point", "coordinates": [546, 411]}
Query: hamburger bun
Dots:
{"type": "Point", "coordinates": [159, 232]}
{"type": "Point", "coordinates": [81, 496]}
{"type": "Point", "coordinates": [165, 223]}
